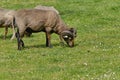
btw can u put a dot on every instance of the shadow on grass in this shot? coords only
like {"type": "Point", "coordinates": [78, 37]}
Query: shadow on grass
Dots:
{"type": "Point", "coordinates": [41, 46]}
{"type": "Point", "coordinates": [9, 36]}
{"type": "Point", "coordinates": [53, 46]}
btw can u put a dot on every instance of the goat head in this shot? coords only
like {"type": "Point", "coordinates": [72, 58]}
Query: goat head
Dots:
{"type": "Point", "coordinates": [68, 36]}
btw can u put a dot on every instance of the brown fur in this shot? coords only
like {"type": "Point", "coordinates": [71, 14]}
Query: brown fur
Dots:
{"type": "Point", "coordinates": [47, 8]}
{"type": "Point", "coordinates": [39, 20]}
{"type": "Point", "coordinates": [6, 18]}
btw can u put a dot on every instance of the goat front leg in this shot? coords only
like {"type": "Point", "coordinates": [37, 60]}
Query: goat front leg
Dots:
{"type": "Point", "coordinates": [48, 40]}
{"type": "Point", "coordinates": [6, 31]}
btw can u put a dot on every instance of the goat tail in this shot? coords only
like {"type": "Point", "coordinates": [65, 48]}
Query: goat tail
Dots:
{"type": "Point", "coordinates": [13, 28]}
{"type": "Point", "coordinates": [13, 22]}
{"type": "Point", "coordinates": [14, 25]}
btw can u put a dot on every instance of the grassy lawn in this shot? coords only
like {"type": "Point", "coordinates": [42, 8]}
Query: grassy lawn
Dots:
{"type": "Point", "coordinates": [96, 55]}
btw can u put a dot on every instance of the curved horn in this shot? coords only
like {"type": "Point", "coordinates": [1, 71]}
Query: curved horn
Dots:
{"type": "Point", "coordinates": [68, 37]}
{"type": "Point", "coordinates": [67, 32]}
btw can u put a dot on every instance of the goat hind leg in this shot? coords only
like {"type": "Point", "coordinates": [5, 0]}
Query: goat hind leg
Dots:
{"type": "Point", "coordinates": [13, 36]}
{"type": "Point", "coordinates": [22, 43]}
{"type": "Point", "coordinates": [18, 39]}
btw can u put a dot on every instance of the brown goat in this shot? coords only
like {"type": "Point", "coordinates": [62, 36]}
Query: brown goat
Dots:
{"type": "Point", "coordinates": [35, 20]}
{"type": "Point", "coordinates": [6, 20]}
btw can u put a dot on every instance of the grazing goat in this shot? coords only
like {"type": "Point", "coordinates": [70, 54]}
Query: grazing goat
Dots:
{"type": "Point", "coordinates": [6, 20]}
{"type": "Point", "coordinates": [35, 20]}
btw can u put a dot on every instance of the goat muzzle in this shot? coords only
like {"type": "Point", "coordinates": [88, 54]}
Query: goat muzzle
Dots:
{"type": "Point", "coordinates": [71, 43]}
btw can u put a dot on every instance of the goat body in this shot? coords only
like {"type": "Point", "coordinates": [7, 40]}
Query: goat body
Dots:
{"type": "Point", "coordinates": [6, 19]}
{"type": "Point", "coordinates": [34, 20]}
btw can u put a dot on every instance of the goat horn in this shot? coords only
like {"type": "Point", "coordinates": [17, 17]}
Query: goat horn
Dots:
{"type": "Point", "coordinates": [67, 33]}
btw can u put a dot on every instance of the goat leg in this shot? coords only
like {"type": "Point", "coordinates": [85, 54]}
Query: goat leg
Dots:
{"type": "Point", "coordinates": [18, 40]}
{"type": "Point", "coordinates": [19, 45]}
{"type": "Point", "coordinates": [13, 36]}
{"type": "Point", "coordinates": [22, 43]}
{"type": "Point", "coordinates": [48, 40]}
{"type": "Point", "coordinates": [6, 31]}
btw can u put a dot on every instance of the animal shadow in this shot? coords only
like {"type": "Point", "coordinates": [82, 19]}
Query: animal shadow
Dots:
{"type": "Point", "coordinates": [41, 46]}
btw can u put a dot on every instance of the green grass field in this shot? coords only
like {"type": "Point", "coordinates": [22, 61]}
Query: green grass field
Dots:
{"type": "Point", "coordinates": [96, 55]}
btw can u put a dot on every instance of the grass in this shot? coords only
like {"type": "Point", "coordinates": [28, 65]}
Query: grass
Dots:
{"type": "Point", "coordinates": [96, 55]}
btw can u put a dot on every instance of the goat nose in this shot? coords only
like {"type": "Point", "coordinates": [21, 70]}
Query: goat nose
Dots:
{"type": "Point", "coordinates": [71, 44]}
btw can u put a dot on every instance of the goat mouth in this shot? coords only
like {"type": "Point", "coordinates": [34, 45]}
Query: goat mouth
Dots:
{"type": "Point", "coordinates": [70, 44]}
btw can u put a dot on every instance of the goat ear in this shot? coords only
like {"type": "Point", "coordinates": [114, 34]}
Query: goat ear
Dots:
{"type": "Point", "coordinates": [72, 30]}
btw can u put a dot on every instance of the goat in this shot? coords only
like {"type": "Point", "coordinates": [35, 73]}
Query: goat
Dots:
{"type": "Point", "coordinates": [6, 20]}
{"type": "Point", "coordinates": [34, 20]}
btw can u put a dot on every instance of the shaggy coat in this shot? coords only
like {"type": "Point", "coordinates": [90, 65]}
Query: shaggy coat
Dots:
{"type": "Point", "coordinates": [47, 8]}
{"type": "Point", "coordinates": [6, 20]}
{"type": "Point", "coordinates": [48, 21]}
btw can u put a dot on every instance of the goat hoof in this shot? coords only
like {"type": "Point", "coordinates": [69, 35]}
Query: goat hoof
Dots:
{"type": "Point", "coordinates": [12, 39]}
{"type": "Point", "coordinates": [23, 45]}
{"type": "Point", "coordinates": [50, 46]}
{"type": "Point", "coordinates": [19, 48]}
